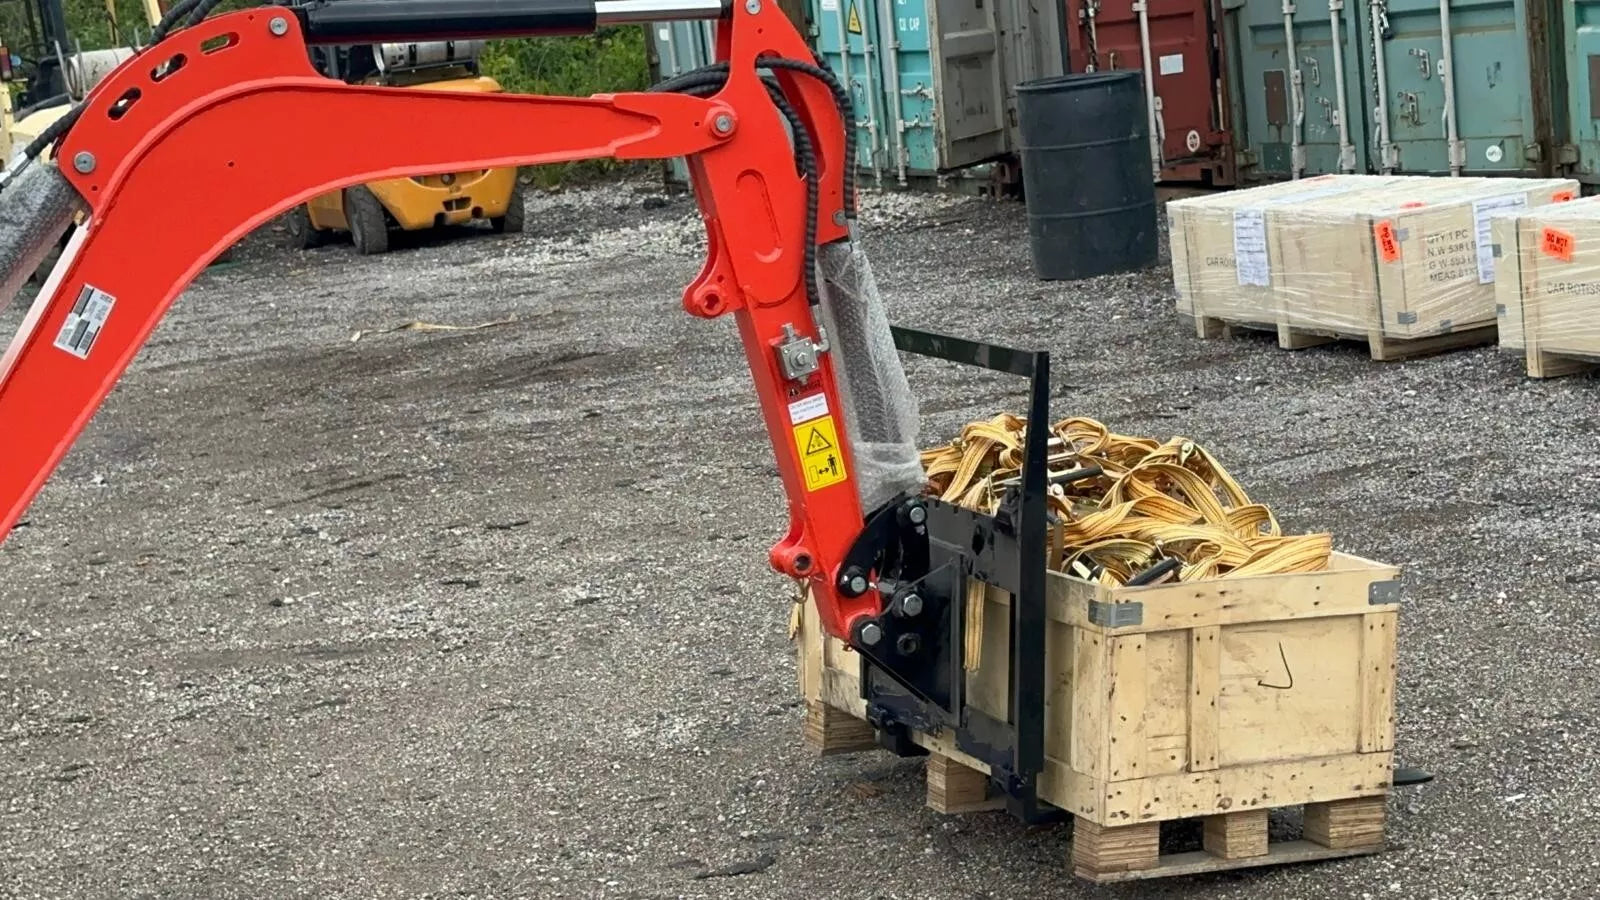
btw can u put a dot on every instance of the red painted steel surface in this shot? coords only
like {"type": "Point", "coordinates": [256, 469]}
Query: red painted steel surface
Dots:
{"type": "Point", "coordinates": [212, 151]}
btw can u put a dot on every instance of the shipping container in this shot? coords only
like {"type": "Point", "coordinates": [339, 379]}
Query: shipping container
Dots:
{"type": "Point", "coordinates": [1187, 95]}
{"type": "Point", "coordinates": [934, 81]}
{"type": "Point", "coordinates": [673, 49]}
{"type": "Point", "coordinates": [1398, 97]}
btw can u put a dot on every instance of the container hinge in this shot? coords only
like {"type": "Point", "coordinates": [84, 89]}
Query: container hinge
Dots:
{"type": "Point", "coordinates": [1380, 593]}
{"type": "Point", "coordinates": [1115, 615]}
{"type": "Point", "coordinates": [1567, 155]}
{"type": "Point", "coordinates": [1458, 153]}
{"type": "Point", "coordinates": [1533, 152]}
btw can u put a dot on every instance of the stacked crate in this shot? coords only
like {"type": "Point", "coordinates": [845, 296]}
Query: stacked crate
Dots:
{"type": "Point", "coordinates": [1404, 264]}
{"type": "Point", "coordinates": [1548, 286]}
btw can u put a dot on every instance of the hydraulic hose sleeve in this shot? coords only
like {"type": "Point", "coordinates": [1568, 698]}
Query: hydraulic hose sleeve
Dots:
{"type": "Point", "coordinates": [36, 209]}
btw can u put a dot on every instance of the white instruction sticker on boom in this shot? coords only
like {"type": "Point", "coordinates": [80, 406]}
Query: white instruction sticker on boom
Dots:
{"type": "Point", "coordinates": [83, 324]}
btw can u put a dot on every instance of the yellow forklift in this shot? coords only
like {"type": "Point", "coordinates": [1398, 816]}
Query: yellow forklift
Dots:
{"type": "Point", "coordinates": [369, 212]}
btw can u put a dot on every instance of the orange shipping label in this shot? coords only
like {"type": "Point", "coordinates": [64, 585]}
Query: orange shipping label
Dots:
{"type": "Point", "coordinates": [1557, 243]}
{"type": "Point", "coordinates": [1388, 241]}
{"type": "Point", "coordinates": [1562, 196]}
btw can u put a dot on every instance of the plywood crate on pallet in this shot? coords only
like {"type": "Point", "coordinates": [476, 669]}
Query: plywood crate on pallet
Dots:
{"type": "Point", "coordinates": [1218, 700]}
{"type": "Point", "coordinates": [1410, 269]}
{"type": "Point", "coordinates": [1209, 234]}
{"type": "Point", "coordinates": [1548, 288]}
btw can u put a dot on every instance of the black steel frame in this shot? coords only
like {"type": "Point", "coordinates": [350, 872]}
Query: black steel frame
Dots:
{"type": "Point", "coordinates": [925, 691]}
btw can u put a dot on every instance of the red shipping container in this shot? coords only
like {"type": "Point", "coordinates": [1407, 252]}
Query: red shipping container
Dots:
{"type": "Point", "coordinates": [1185, 55]}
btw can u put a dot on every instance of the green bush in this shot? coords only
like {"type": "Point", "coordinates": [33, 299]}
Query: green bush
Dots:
{"type": "Point", "coordinates": [613, 60]}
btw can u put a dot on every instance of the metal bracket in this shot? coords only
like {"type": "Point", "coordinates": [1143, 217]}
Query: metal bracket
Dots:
{"type": "Point", "coordinates": [1380, 593]}
{"type": "Point", "coordinates": [1115, 615]}
{"type": "Point", "coordinates": [797, 355]}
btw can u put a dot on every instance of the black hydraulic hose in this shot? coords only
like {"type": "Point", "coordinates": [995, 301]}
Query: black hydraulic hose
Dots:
{"type": "Point", "coordinates": [46, 103]}
{"type": "Point", "coordinates": [707, 83]}
{"type": "Point", "coordinates": [841, 98]}
{"type": "Point", "coordinates": [716, 74]}
{"type": "Point", "coordinates": [52, 133]}
{"type": "Point", "coordinates": [174, 15]}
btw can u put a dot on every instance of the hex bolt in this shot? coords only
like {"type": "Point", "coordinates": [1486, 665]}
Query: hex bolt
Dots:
{"type": "Point", "coordinates": [723, 123]}
{"type": "Point", "coordinates": [917, 514]}
{"type": "Point", "coordinates": [908, 644]}
{"type": "Point", "coordinates": [838, 218]}
{"type": "Point", "coordinates": [752, 6]}
{"type": "Point", "coordinates": [871, 634]}
{"type": "Point", "coordinates": [858, 584]}
{"type": "Point", "coordinates": [83, 162]}
{"type": "Point", "coordinates": [911, 605]}
{"type": "Point", "coordinates": [279, 26]}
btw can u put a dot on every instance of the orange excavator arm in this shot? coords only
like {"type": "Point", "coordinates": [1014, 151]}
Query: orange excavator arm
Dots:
{"type": "Point", "coordinates": [196, 141]}
{"type": "Point", "coordinates": [190, 146]}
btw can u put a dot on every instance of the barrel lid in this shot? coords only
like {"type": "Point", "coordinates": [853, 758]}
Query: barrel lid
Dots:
{"type": "Point", "coordinates": [1075, 80]}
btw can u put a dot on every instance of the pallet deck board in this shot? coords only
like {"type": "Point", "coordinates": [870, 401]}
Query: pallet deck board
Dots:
{"type": "Point", "coordinates": [1199, 862]}
{"type": "Point", "coordinates": [1381, 347]}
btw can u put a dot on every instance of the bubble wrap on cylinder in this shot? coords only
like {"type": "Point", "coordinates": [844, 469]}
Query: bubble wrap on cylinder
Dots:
{"type": "Point", "coordinates": [35, 211]}
{"type": "Point", "coordinates": [880, 412]}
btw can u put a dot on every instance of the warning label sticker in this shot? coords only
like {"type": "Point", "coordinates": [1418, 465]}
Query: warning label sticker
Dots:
{"type": "Point", "coordinates": [818, 444]}
{"type": "Point", "coordinates": [83, 324]}
{"type": "Point", "coordinates": [854, 23]}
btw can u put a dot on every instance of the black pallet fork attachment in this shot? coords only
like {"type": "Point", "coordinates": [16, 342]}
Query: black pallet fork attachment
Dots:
{"type": "Point", "coordinates": [925, 552]}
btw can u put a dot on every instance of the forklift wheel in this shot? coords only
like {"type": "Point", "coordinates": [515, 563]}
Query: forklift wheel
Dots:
{"type": "Point", "coordinates": [511, 222]}
{"type": "Point", "coordinates": [369, 230]}
{"type": "Point", "coordinates": [300, 233]}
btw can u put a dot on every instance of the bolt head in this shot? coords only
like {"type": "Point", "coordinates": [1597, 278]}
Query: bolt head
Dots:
{"type": "Point", "coordinates": [838, 218]}
{"type": "Point", "coordinates": [83, 162]}
{"type": "Point", "coordinates": [752, 6]}
{"type": "Point", "coordinates": [917, 514]}
{"type": "Point", "coordinates": [911, 604]}
{"type": "Point", "coordinates": [279, 26]}
{"type": "Point", "coordinates": [723, 123]}
{"type": "Point", "coordinates": [908, 644]}
{"type": "Point", "coordinates": [858, 584]}
{"type": "Point", "coordinates": [871, 634]}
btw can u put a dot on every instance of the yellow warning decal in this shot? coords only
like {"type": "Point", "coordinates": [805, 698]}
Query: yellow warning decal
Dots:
{"type": "Point", "coordinates": [818, 444]}
{"type": "Point", "coordinates": [854, 23]}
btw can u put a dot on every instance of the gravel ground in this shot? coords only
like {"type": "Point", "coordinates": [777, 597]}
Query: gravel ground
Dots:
{"type": "Point", "coordinates": [487, 613]}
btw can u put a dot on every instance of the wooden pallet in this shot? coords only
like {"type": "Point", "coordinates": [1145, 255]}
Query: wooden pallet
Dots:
{"type": "Point", "coordinates": [1102, 854]}
{"type": "Point", "coordinates": [1382, 347]}
{"type": "Point", "coordinates": [1546, 364]}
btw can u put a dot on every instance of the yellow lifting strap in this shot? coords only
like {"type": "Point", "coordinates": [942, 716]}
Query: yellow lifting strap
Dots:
{"type": "Point", "coordinates": [1152, 501]}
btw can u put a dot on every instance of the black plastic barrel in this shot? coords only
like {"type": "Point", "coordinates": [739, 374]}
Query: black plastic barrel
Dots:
{"type": "Point", "coordinates": [1091, 198]}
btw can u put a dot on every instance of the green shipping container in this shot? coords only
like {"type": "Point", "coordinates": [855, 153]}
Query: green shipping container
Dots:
{"type": "Point", "coordinates": [1466, 87]}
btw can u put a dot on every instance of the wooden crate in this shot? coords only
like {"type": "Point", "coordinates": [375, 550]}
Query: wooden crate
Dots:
{"type": "Point", "coordinates": [1549, 285]}
{"type": "Point", "coordinates": [1218, 701]}
{"type": "Point", "coordinates": [1404, 266]}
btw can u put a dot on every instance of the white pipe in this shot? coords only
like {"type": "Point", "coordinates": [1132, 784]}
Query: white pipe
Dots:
{"type": "Point", "coordinates": [1448, 75]}
{"type": "Point", "coordinates": [1381, 69]}
{"type": "Point", "coordinates": [891, 77]}
{"type": "Point", "coordinates": [1347, 150]}
{"type": "Point", "coordinates": [1142, 8]}
{"type": "Point", "coordinates": [1092, 8]}
{"type": "Point", "coordinates": [1297, 113]}
{"type": "Point", "coordinates": [872, 103]}
{"type": "Point", "coordinates": [844, 70]}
